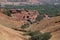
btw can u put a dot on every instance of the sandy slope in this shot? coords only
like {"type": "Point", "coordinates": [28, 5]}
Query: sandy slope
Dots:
{"type": "Point", "coordinates": [9, 22]}
{"type": "Point", "coordinates": [10, 34]}
{"type": "Point", "coordinates": [45, 23]}
{"type": "Point", "coordinates": [55, 35]}
{"type": "Point", "coordinates": [51, 25]}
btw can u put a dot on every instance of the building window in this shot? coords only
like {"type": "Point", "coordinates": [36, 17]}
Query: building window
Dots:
{"type": "Point", "coordinates": [27, 16]}
{"type": "Point", "coordinates": [17, 0]}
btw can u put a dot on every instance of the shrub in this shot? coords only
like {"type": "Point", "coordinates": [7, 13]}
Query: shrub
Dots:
{"type": "Point", "coordinates": [7, 12]}
{"type": "Point", "coordinates": [39, 36]}
{"type": "Point", "coordinates": [25, 26]}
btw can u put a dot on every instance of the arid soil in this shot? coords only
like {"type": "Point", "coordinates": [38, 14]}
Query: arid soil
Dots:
{"type": "Point", "coordinates": [7, 25]}
{"type": "Point", "coordinates": [10, 34]}
{"type": "Point", "coordinates": [9, 22]}
{"type": "Point", "coordinates": [51, 25]}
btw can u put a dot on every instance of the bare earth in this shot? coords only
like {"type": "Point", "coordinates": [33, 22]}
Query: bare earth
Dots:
{"type": "Point", "coordinates": [9, 34]}
{"type": "Point", "coordinates": [51, 25]}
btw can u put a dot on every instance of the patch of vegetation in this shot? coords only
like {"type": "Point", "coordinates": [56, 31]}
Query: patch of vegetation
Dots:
{"type": "Point", "coordinates": [39, 36]}
{"type": "Point", "coordinates": [7, 12]}
{"type": "Point", "coordinates": [25, 26]}
{"type": "Point", "coordinates": [39, 17]}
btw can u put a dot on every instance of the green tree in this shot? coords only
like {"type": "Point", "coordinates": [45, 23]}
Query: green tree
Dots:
{"type": "Point", "coordinates": [25, 26]}
{"type": "Point", "coordinates": [39, 36]}
{"type": "Point", "coordinates": [7, 12]}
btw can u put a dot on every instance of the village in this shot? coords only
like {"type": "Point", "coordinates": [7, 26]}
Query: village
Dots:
{"type": "Point", "coordinates": [28, 20]}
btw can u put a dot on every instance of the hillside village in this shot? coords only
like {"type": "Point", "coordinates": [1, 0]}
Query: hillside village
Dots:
{"type": "Point", "coordinates": [12, 26]}
{"type": "Point", "coordinates": [23, 14]}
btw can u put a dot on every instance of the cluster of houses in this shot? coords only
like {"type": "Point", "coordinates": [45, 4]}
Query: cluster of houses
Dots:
{"type": "Point", "coordinates": [23, 14]}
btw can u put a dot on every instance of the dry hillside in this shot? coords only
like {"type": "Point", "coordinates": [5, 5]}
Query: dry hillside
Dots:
{"type": "Point", "coordinates": [10, 34]}
{"type": "Point", "coordinates": [44, 23]}
{"type": "Point", "coordinates": [9, 22]}
{"type": "Point", "coordinates": [51, 25]}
